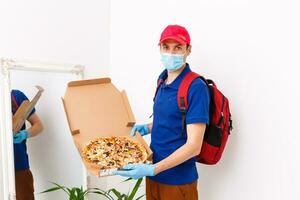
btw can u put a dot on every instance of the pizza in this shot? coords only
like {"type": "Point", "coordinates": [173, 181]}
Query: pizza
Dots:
{"type": "Point", "coordinates": [113, 152]}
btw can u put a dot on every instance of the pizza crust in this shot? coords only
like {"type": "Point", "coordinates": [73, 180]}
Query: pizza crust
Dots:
{"type": "Point", "coordinates": [113, 152]}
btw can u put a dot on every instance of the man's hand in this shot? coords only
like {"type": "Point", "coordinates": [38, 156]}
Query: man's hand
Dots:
{"type": "Point", "coordinates": [136, 171]}
{"type": "Point", "coordinates": [20, 136]}
{"type": "Point", "coordinates": [142, 129]}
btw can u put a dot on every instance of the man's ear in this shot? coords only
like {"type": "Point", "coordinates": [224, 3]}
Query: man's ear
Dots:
{"type": "Point", "coordinates": [189, 50]}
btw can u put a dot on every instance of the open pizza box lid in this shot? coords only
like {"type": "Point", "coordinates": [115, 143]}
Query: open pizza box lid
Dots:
{"type": "Point", "coordinates": [96, 108]}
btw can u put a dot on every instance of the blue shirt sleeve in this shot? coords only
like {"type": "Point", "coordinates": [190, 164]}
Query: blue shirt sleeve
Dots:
{"type": "Point", "coordinates": [20, 97]}
{"type": "Point", "coordinates": [198, 103]}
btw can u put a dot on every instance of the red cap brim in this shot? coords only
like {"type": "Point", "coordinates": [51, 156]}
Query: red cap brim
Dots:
{"type": "Point", "coordinates": [181, 41]}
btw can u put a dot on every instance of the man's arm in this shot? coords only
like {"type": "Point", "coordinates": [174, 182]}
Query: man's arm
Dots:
{"type": "Point", "coordinates": [36, 125]}
{"type": "Point", "coordinates": [192, 147]}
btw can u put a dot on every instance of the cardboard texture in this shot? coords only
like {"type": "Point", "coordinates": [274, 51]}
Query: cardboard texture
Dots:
{"type": "Point", "coordinates": [96, 108]}
{"type": "Point", "coordinates": [24, 110]}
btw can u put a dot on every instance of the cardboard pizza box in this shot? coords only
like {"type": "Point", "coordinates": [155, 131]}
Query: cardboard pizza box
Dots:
{"type": "Point", "coordinates": [96, 108]}
{"type": "Point", "coordinates": [24, 110]}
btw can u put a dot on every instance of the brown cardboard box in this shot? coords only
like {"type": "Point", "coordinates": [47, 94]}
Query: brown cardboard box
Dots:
{"type": "Point", "coordinates": [24, 111]}
{"type": "Point", "coordinates": [96, 108]}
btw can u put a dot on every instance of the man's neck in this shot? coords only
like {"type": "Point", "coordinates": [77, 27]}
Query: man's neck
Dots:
{"type": "Point", "coordinates": [172, 75]}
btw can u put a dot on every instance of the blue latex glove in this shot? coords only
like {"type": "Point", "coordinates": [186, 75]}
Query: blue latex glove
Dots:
{"type": "Point", "coordinates": [20, 136]}
{"type": "Point", "coordinates": [142, 129]}
{"type": "Point", "coordinates": [136, 171]}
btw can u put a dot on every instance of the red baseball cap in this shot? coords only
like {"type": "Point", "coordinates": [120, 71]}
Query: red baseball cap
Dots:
{"type": "Point", "coordinates": [175, 32]}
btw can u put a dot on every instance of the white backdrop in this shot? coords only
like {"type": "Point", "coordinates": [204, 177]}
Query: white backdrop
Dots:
{"type": "Point", "coordinates": [58, 31]}
{"type": "Point", "coordinates": [251, 50]}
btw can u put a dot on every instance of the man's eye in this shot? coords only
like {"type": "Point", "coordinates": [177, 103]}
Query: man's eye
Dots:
{"type": "Point", "coordinates": [178, 48]}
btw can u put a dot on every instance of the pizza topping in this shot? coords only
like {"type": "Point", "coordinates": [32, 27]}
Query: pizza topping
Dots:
{"type": "Point", "coordinates": [113, 152]}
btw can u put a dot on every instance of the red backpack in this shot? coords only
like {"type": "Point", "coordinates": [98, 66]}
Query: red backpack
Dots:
{"type": "Point", "coordinates": [220, 123]}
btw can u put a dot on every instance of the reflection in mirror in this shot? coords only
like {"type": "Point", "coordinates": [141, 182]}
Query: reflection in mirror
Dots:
{"type": "Point", "coordinates": [48, 151]}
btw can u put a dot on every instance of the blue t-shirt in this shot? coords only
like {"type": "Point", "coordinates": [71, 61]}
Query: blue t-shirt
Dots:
{"type": "Point", "coordinates": [20, 150]}
{"type": "Point", "coordinates": [166, 136]}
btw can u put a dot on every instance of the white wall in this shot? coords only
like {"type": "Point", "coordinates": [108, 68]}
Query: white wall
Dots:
{"type": "Point", "coordinates": [57, 31]}
{"type": "Point", "coordinates": [251, 50]}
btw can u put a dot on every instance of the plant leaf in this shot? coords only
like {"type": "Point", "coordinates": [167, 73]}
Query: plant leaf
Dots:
{"type": "Point", "coordinates": [97, 189]}
{"type": "Point", "coordinates": [117, 193]}
{"type": "Point", "coordinates": [51, 190]}
{"type": "Point", "coordinates": [127, 180]}
{"type": "Point", "coordinates": [79, 193]}
{"type": "Point", "coordinates": [58, 187]}
{"type": "Point", "coordinates": [100, 192]}
{"type": "Point", "coordinates": [140, 197]}
{"type": "Point", "coordinates": [135, 189]}
{"type": "Point", "coordinates": [103, 194]}
{"type": "Point", "coordinates": [61, 187]}
{"type": "Point", "coordinates": [72, 193]}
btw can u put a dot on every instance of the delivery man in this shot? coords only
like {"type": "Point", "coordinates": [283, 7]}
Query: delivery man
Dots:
{"type": "Point", "coordinates": [173, 174]}
{"type": "Point", "coordinates": [23, 175]}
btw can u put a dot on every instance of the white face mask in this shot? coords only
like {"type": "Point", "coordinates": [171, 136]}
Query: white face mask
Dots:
{"type": "Point", "coordinates": [172, 62]}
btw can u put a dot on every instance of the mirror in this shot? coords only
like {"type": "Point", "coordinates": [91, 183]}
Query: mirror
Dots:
{"type": "Point", "coordinates": [52, 155]}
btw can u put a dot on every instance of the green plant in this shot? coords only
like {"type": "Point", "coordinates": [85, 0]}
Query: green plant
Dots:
{"type": "Point", "coordinates": [76, 193]}
{"type": "Point", "coordinates": [129, 195]}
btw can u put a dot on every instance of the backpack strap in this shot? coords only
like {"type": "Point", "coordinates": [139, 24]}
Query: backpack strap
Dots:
{"type": "Point", "coordinates": [182, 95]}
{"type": "Point", "coordinates": [159, 82]}
{"type": "Point", "coordinates": [162, 77]}
{"type": "Point", "coordinates": [14, 103]}
{"type": "Point", "coordinates": [183, 90]}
